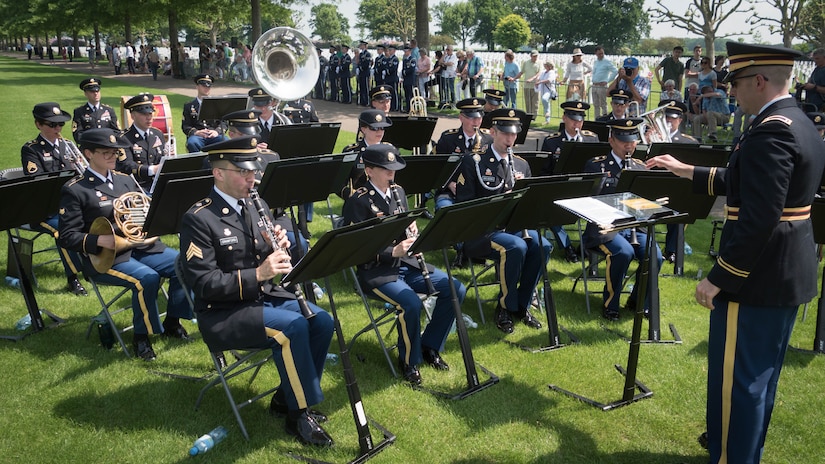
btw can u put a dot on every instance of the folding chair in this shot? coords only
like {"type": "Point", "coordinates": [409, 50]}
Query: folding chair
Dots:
{"type": "Point", "coordinates": [475, 284]}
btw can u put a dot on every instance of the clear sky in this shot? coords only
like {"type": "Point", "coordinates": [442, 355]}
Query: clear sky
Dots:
{"type": "Point", "coordinates": [736, 24]}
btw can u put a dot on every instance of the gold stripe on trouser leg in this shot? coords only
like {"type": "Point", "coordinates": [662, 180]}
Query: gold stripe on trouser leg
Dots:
{"type": "Point", "coordinates": [727, 374]}
{"type": "Point", "coordinates": [402, 323]}
{"type": "Point", "coordinates": [289, 364]}
{"type": "Point", "coordinates": [607, 281]}
{"type": "Point", "coordinates": [68, 260]}
{"type": "Point", "coordinates": [501, 275]}
{"type": "Point", "coordinates": [141, 300]}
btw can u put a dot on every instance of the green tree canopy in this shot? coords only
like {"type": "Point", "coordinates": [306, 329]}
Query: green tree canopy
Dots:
{"type": "Point", "coordinates": [328, 23]}
{"type": "Point", "coordinates": [488, 14]}
{"type": "Point", "coordinates": [457, 20]}
{"type": "Point", "coordinates": [512, 32]}
{"type": "Point", "coordinates": [387, 18]}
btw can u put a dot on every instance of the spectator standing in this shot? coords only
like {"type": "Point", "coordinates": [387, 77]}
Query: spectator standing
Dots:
{"type": "Point", "coordinates": [692, 67]}
{"type": "Point", "coordinates": [530, 70]}
{"type": "Point", "coordinates": [672, 69]}
{"type": "Point", "coordinates": [630, 81]}
{"type": "Point", "coordinates": [130, 58]}
{"type": "Point", "coordinates": [181, 61]}
{"type": "Point", "coordinates": [116, 58]}
{"type": "Point", "coordinates": [153, 60]}
{"type": "Point", "coordinates": [448, 73]}
{"type": "Point", "coordinates": [547, 88]}
{"type": "Point", "coordinates": [92, 55]}
{"type": "Point", "coordinates": [510, 78]}
{"type": "Point", "coordinates": [461, 65]}
{"type": "Point", "coordinates": [604, 71]}
{"type": "Point", "coordinates": [574, 74]}
{"type": "Point", "coordinates": [424, 65]}
{"type": "Point", "coordinates": [474, 71]}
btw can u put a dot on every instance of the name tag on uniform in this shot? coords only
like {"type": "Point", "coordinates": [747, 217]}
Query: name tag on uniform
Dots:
{"type": "Point", "coordinates": [104, 203]}
{"type": "Point", "coordinates": [229, 240]}
{"type": "Point", "coordinates": [488, 179]}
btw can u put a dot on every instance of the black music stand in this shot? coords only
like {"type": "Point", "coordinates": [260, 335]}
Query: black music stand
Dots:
{"type": "Point", "coordinates": [691, 153]}
{"type": "Point", "coordinates": [574, 155]}
{"type": "Point", "coordinates": [535, 211]}
{"type": "Point", "coordinates": [535, 159]}
{"type": "Point", "coordinates": [641, 213]}
{"type": "Point", "coordinates": [818, 220]}
{"type": "Point", "coordinates": [335, 251]}
{"type": "Point", "coordinates": [297, 140]}
{"type": "Point", "coordinates": [458, 223]}
{"type": "Point", "coordinates": [42, 197]}
{"type": "Point", "coordinates": [214, 108]}
{"type": "Point", "coordinates": [178, 191]}
{"type": "Point", "coordinates": [179, 163]}
{"type": "Point", "coordinates": [410, 132]}
{"type": "Point", "coordinates": [426, 173]}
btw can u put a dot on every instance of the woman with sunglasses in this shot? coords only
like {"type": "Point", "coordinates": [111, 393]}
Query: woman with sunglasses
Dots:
{"type": "Point", "coordinates": [707, 76]}
{"type": "Point", "coordinates": [371, 125]}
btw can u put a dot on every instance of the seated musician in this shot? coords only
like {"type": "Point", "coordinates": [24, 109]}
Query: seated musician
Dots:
{"type": "Point", "coordinates": [146, 144]}
{"type": "Point", "coordinates": [262, 102]}
{"type": "Point", "coordinates": [230, 264]}
{"type": "Point", "coordinates": [89, 197]}
{"type": "Point", "coordinates": [381, 98]}
{"type": "Point", "coordinates": [371, 125]}
{"type": "Point", "coordinates": [199, 132]}
{"type": "Point", "coordinates": [618, 246]}
{"type": "Point", "coordinates": [93, 114]}
{"type": "Point", "coordinates": [50, 153]}
{"type": "Point", "coordinates": [397, 278]}
{"type": "Point", "coordinates": [619, 102]}
{"type": "Point", "coordinates": [519, 261]}
{"type": "Point", "coordinates": [674, 117]}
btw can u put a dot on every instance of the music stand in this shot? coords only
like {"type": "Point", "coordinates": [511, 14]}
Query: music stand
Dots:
{"type": "Point", "coordinates": [298, 140]}
{"type": "Point", "coordinates": [335, 251]}
{"type": "Point", "coordinates": [179, 163]}
{"type": "Point", "coordinates": [536, 211]}
{"type": "Point", "coordinates": [178, 191]}
{"type": "Point", "coordinates": [42, 197]}
{"type": "Point", "coordinates": [535, 159]}
{"type": "Point", "coordinates": [691, 153]}
{"type": "Point", "coordinates": [616, 212]}
{"type": "Point", "coordinates": [214, 108]}
{"type": "Point", "coordinates": [574, 155]}
{"type": "Point", "coordinates": [410, 132]}
{"type": "Point", "coordinates": [458, 223]}
{"type": "Point", "coordinates": [286, 182]}
{"type": "Point", "coordinates": [818, 221]}
{"type": "Point", "coordinates": [425, 173]}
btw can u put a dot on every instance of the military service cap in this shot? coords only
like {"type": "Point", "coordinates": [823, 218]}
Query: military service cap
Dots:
{"type": "Point", "coordinates": [240, 151]}
{"type": "Point", "coordinates": [141, 103]}
{"type": "Point", "coordinates": [471, 107]}
{"type": "Point", "coordinates": [50, 111]}
{"type": "Point", "coordinates": [375, 119]}
{"type": "Point", "coordinates": [674, 109]}
{"type": "Point", "coordinates": [91, 83]}
{"type": "Point", "coordinates": [102, 138]}
{"type": "Point", "coordinates": [244, 121]}
{"type": "Point", "coordinates": [204, 80]}
{"type": "Point", "coordinates": [746, 55]}
{"type": "Point", "coordinates": [818, 119]}
{"type": "Point", "coordinates": [507, 120]}
{"type": "Point", "coordinates": [383, 155]}
{"type": "Point", "coordinates": [625, 130]}
{"type": "Point", "coordinates": [494, 96]}
{"type": "Point", "coordinates": [382, 92]}
{"type": "Point", "coordinates": [575, 110]}
{"type": "Point", "coordinates": [620, 96]}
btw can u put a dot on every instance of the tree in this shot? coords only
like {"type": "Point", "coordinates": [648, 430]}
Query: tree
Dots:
{"type": "Point", "coordinates": [387, 18]}
{"type": "Point", "coordinates": [702, 17]}
{"type": "Point", "coordinates": [788, 22]}
{"type": "Point", "coordinates": [488, 14]}
{"type": "Point", "coordinates": [512, 32]}
{"type": "Point", "coordinates": [422, 23]}
{"type": "Point", "coordinates": [812, 22]}
{"type": "Point", "coordinates": [457, 20]}
{"type": "Point", "coordinates": [328, 23]}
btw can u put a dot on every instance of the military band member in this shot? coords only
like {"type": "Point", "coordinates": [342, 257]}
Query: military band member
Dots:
{"type": "Point", "coordinates": [674, 116]}
{"type": "Point", "coordinates": [493, 100]}
{"type": "Point", "coordinates": [381, 98]}
{"type": "Point", "coordinates": [519, 262]}
{"type": "Point", "coordinates": [409, 73]}
{"type": "Point", "coordinates": [147, 144]}
{"type": "Point", "coordinates": [345, 75]}
{"type": "Point", "coordinates": [300, 111]}
{"type": "Point", "coordinates": [334, 67]}
{"type": "Point", "coordinates": [89, 197]}
{"type": "Point", "coordinates": [262, 103]}
{"type": "Point", "coordinates": [624, 136]}
{"type": "Point", "coordinates": [50, 153]}
{"type": "Point", "coordinates": [766, 266]}
{"type": "Point", "coordinates": [379, 65]}
{"type": "Point", "coordinates": [200, 133]}
{"type": "Point", "coordinates": [390, 72]}
{"type": "Point", "coordinates": [363, 62]}
{"type": "Point", "coordinates": [819, 121]}
{"type": "Point", "coordinates": [619, 101]}
{"type": "Point", "coordinates": [572, 118]}
{"type": "Point", "coordinates": [92, 115]}
{"type": "Point", "coordinates": [321, 84]}
{"type": "Point", "coordinates": [230, 267]}
{"type": "Point", "coordinates": [394, 276]}
{"type": "Point", "coordinates": [371, 125]}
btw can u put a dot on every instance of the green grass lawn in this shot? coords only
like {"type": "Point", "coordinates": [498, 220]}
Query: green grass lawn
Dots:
{"type": "Point", "coordinates": [69, 400]}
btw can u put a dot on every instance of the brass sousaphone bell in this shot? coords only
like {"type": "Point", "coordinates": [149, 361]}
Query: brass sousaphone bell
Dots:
{"type": "Point", "coordinates": [285, 63]}
{"type": "Point", "coordinates": [130, 210]}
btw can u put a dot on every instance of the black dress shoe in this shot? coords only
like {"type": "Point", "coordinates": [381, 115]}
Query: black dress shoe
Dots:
{"type": "Point", "coordinates": [175, 331]}
{"type": "Point", "coordinates": [530, 321]}
{"type": "Point", "coordinates": [504, 321]}
{"type": "Point", "coordinates": [703, 440]}
{"type": "Point", "coordinates": [76, 287]}
{"type": "Point", "coordinates": [409, 373]}
{"type": "Point", "coordinates": [307, 431]}
{"type": "Point", "coordinates": [432, 358]}
{"type": "Point", "coordinates": [143, 349]}
{"type": "Point", "coordinates": [570, 255]}
{"type": "Point", "coordinates": [610, 314]}
{"type": "Point", "coordinates": [277, 407]}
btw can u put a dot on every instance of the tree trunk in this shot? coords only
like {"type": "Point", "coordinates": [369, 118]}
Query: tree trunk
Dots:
{"type": "Point", "coordinates": [422, 23]}
{"type": "Point", "coordinates": [256, 21]}
{"type": "Point", "coordinates": [173, 41]}
{"type": "Point", "coordinates": [128, 26]}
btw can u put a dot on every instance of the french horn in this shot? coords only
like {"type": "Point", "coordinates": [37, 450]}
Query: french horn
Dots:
{"type": "Point", "coordinates": [130, 210]}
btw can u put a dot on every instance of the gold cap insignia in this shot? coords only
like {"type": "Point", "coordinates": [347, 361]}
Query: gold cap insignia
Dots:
{"type": "Point", "coordinates": [92, 81]}
{"type": "Point", "coordinates": [628, 123]}
{"type": "Point", "coordinates": [251, 115]}
{"type": "Point", "coordinates": [253, 142]}
{"type": "Point", "coordinates": [511, 113]}
{"type": "Point", "coordinates": [390, 157]}
{"type": "Point", "coordinates": [378, 118]}
{"type": "Point", "coordinates": [112, 138]}
{"type": "Point", "coordinates": [818, 119]}
{"type": "Point", "coordinates": [578, 105]}
{"type": "Point", "coordinates": [475, 101]}
{"type": "Point", "coordinates": [56, 110]}
{"type": "Point", "coordinates": [145, 97]}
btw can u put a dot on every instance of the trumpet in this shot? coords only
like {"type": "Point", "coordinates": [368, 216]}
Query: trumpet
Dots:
{"type": "Point", "coordinates": [130, 210]}
{"type": "Point", "coordinates": [76, 158]}
{"type": "Point", "coordinates": [525, 234]}
{"type": "Point", "coordinates": [269, 231]}
{"type": "Point", "coordinates": [425, 273]}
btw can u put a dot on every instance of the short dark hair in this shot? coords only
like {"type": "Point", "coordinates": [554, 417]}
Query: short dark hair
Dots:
{"type": "Point", "coordinates": [678, 47]}
{"type": "Point", "coordinates": [598, 47]}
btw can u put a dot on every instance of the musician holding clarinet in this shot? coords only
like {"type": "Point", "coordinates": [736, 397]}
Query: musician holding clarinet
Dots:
{"type": "Point", "coordinates": [231, 252]}
{"type": "Point", "coordinates": [517, 253]}
{"type": "Point", "coordinates": [397, 278]}
{"type": "Point", "coordinates": [619, 247]}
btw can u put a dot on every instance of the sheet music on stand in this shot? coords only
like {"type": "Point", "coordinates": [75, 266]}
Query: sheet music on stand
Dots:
{"type": "Point", "coordinates": [617, 211]}
{"type": "Point", "coordinates": [185, 162]}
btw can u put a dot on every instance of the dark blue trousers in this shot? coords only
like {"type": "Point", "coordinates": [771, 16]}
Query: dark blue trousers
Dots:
{"type": "Point", "coordinates": [519, 267]}
{"type": "Point", "coordinates": [620, 253]}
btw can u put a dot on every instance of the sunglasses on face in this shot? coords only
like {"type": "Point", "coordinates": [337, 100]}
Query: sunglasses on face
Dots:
{"type": "Point", "coordinates": [54, 124]}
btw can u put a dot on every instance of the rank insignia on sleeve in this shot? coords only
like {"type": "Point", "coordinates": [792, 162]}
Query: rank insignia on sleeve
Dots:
{"type": "Point", "coordinates": [31, 167]}
{"type": "Point", "coordinates": [193, 251]}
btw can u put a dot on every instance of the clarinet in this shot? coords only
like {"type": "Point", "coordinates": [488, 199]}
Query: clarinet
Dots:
{"type": "Point", "coordinates": [425, 273]}
{"type": "Point", "coordinates": [269, 232]}
{"type": "Point", "coordinates": [525, 234]}
{"type": "Point", "coordinates": [628, 163]}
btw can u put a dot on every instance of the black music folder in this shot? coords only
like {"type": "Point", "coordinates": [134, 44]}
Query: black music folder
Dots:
{"type": "Point", "coordinates": [297, 140]}
{"type": "Point", "coordinates": [216, 107]}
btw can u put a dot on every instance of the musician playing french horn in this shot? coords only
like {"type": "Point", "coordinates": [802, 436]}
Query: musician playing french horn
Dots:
{"type": "Point", "coordinates": [619, 247]}
{"type": "Point", "coordinates": [49, 152]}
{"type": "Point", "coordinates": [395, 277]}
{"type": "Point", "coordinates": [518, 259]}
{"type": "Point", "coordinates": [229, 263]}
{"type": "Point", "coordinates": [147, 144]}
{"type": "Point", "coordinates": [92, 196]}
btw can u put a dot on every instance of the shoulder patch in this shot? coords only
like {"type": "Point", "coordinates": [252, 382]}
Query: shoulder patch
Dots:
{"type": "Point", "coordinates": [587, 132]}
{"type": "Point", "coordinates": [361, 191]}
{"type": "Point", "coordinates": [351, 147]}
{"type": "Point", "coordinates": [484, 131]}
{"type": "Point", "coordinates": [599, 159]}
{"type": "Point", "coordinates": [450, 131]}
{"type": "Point", "coordinates": [118, 173]}
{"type": "Point", "coordinates": [31, 142]}
{"type": "Point", "coordinates": [201, 204]}
{"type": "Point", "coordinates": [777, 117]}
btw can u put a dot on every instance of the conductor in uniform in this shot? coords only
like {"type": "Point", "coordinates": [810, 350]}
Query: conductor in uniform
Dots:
{"type": "Point", "coordinates": [766, 265]}
{"type": "Point", "coordinates": [518, 261]}
{"type": "Point", "coordinates": [92, 115]}
{"type": "Point", "coordinates": [147, 144]}
{"type": "Point", "coordinates": [618, 247]}
{"type": "Point", "coordinates": [89, 197]}
{"type": "Point", "coordinates": [395, 277]}
{"type": "Point", "coordinates": [200, 132]}
{"type": "Point", "coordinates": [49, 152]}
{"type": "Point", "coordinates": [230, 266]}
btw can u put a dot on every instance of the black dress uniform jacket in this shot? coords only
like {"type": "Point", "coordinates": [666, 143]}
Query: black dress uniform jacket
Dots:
{"type": "Point", "coordinates": [552, 144]}
{"type": "Point", "coordinates": [39, 156]}
{"type": "Point", "coordinates": [357, 178]}
{"type": "Point", "coordinates": [766, 256]}
{"type": "Point", "coordinates": [84, 119]}
{"type": "Point", "coordinates": [299, 112]}
{"type": "Point", "coordinates": [144, 152]}
{"type": "Point", "coordinates": [191, 124]}
{"type": "Point", "coordinates": [679, 137]}
{"type": "Point", "coordinates": [453, 141]}
{"type": "Point", "coordinates": [220, 255]}
{"type": "Point", "coordinates": [84, 199]}
{"type": "Point", "coordinates": [365, 203]}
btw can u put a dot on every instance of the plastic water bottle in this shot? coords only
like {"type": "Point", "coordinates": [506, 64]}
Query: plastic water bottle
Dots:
{"type": "Point", "coordinates": [332, 359]}
{"type": "Point", "coordinates": [388, 307]}
{"type": "Point", "coordinates": [208, 441]}
{"type": "Point", "coordinates": [24, 322]}
{"type": "Point", "coordinates": [317, 291]}
{"type": "Point", "coordinates": [469, 322]}
{"type": "Point", "coordinates": [688, 249]}
{"type": "Point", "coordinates": [429, 304]}
{"type": "Point", "coordinates": [12, 281]}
